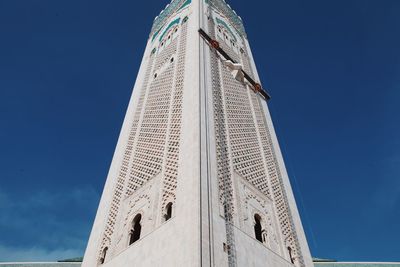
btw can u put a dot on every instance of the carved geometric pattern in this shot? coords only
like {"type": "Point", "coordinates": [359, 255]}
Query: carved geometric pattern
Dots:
{"type": "Point", "coordinates": [246, 61]}
{"type": "Point", "coordinates": [149, 153]}
{"type": "Point", "coordinates": [233, 18]}
{"type": "Point", "coordinates": [119, 187]}
{"type": "Point", "coordinates": [246, 154]}
{"type": "Point", "coordinates": [223, 162]}
{"type": "Point", "coordinates": [279, 195]}
{"type": "Point", "coordinates": [141, 203]}
{"type": "Point", "coordinates": [166, 14]}
{"type": "Point", "coordinates": [172, 154]}
{"type": "Point", "coordinates": [228, 49]}
{"type": "Point", "coordinates": [268, 224]}
{"type": "Point", "coordinates": [247, 151]}
{"type": "Point", "coordinates": [149, 141]}
{"type": "Point", "coordinates": [223, 159]}
{"type": "Point", "coordinates": [132, 207]}
{"type": "Point", "coordinates": [165, 55]}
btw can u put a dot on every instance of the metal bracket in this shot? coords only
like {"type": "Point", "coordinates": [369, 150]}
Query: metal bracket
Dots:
{"type": "Point", "coordinates": [215, 45]}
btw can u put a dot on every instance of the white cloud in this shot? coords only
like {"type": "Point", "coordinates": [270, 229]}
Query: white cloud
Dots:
{"type": "Point", "coordinates": [64, 218]}
{"type": "Point", "coordinates": [36, 254]}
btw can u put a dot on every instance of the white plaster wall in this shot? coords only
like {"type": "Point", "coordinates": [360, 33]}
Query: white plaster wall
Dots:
{"type": "Point", "coordinates": [167, 246]}
{"type": "Point", "coordinates": [252, 253]}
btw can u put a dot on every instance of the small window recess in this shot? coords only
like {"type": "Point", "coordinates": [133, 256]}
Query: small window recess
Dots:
{"type": "Point", "coordinates": [168, 213]}
{"type": "Point", "coordinates": [103, 255]}
{"type": "Point", "coordinates": [258, 228]}
{"type": "Point", "coordinates": [134, 234]}
{"type": "Point", "coordinates": [227, 248]}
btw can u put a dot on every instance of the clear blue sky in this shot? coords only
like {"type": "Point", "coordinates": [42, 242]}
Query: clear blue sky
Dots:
{"type": "Point", "coordinates": [332, 68]}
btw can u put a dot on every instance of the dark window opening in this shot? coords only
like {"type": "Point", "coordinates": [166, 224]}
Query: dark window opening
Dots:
{"type": "Point", "coordinates": [168, 214]}
{"type": "Point", "coordinates": [103, 255]}
{"type": "Point", "coordinates": [258, 228]}
{"type": "Point", "coordinates": [227, 248]}
{"type": "Point", "coordinates": [155, 75]}
{"type": "Point", "coordinates": [135, 231]}
{"type": "Point", "coordinates": [172, 59]}
{"type": "Point", "coordinates": [290, 254]}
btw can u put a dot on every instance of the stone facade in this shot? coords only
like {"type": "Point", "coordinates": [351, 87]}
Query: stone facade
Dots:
{"type": "Point", "coordinates": [40, 264]}
{"type": "Point", "coordinates": [197, 178]}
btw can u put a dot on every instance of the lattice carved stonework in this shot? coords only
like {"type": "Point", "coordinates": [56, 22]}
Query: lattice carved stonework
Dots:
{"type": "Point", "coordinates": [223, 159]}
{"type": "Point", "coordinates": [279, 195]}
{"type": "Point", "coordinates": [248, 150]}
{"type": "Point", "coordinates": [172, 152]}
{"type": "Point", "coordinates": [144, 153]}
{"type": "Point", "coordinates": [166, 15]}
{"type": "Point", "coordinates": [246, 61]}
{"type": "Point", "coordinates": [268, 223]}
{"type": "Point", "coordinates": [165, 55]}
{"type": "Point", "coordinates": [149, 154]}
{"type": "Point", "coordinates": [246, 154]}
{"type": "Point", "coordinates": [230, 14]}
{"type": "Point", "coordinates": [228, 50]}
{"type": "Point", "coordinates": [123, 172]}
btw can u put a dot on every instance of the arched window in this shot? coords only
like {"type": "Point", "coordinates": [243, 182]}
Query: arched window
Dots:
{"type": "Point", "coordinates": [103, 255]}
{"type": "Point", "coordinates": [136, 229]}
{"type": "Point", "coordinates": [290, 254]}
{"type": "Point", "coordinates": [168, 213]}
{"type": "Point", "coordinates": [258, 228]}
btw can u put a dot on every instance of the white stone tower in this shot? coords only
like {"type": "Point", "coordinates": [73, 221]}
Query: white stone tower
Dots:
{"type": "Point", "coordinates": [197, 177]}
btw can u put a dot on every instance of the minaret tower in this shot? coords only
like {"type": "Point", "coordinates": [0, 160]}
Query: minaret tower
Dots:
{"type": "Point", "coordinates": [197, 177]}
